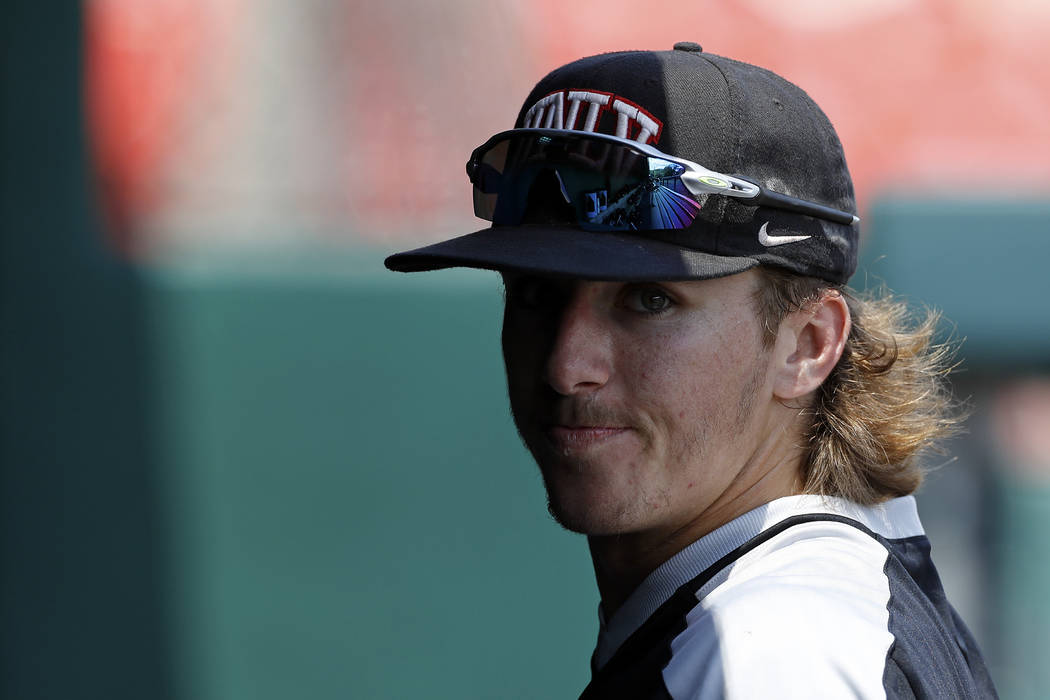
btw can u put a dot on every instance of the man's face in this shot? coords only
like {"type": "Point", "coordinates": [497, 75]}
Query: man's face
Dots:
{"type": "Point", "coordinates": [641, 402]}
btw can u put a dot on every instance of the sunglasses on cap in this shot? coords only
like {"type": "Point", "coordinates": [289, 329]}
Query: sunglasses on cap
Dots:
{"type": "Point", "coordinates": [605, 183]}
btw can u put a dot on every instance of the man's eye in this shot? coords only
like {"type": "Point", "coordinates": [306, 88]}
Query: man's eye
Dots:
{"type": "Point", "coordinates": [650, 300]}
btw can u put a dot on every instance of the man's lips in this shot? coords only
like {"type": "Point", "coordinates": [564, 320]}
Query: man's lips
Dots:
{"type": "Point", "coordinates": [577, 436]}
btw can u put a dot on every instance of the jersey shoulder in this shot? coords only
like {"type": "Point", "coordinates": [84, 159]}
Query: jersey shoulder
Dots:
{"type": "Point", "coordinates": [804, 614]}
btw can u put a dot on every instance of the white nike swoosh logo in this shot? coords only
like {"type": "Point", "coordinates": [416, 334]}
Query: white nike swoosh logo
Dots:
{"type": "Point", "coordinates": [770, 241]}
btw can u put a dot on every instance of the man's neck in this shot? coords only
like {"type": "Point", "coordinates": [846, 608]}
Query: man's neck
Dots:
{"type": "Point", "coordinates": [623, 561]}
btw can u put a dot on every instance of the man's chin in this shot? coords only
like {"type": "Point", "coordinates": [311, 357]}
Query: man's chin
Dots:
{"type": "Point", "coordinates": [590, 521]}
{"type": "Point", "coordinates": [571, 524]}
{"type": "Point", "coordinates": [581, 490]}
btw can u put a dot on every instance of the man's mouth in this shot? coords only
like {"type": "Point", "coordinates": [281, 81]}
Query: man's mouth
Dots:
{"type": "Point", "coordinates": [569, 437]}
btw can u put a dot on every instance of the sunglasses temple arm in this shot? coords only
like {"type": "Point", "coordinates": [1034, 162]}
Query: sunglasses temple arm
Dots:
{"type": "Point", "coordinates": [799, 206]}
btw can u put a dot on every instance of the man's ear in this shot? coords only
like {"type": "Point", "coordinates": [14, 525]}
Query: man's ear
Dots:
{"type": "Point", "coordinates": [809, 344]}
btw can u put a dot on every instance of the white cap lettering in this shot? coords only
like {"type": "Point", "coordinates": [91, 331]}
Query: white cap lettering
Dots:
{"type": "Point", "coordinates": [549, 113]}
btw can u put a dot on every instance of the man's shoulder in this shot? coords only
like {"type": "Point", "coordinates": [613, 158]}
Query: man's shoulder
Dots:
{"type": "Point", "coordinates": [808, 607]}
{"type": "Point", "coordinates": [825, 561]}
{"type": "Point", "coordinates": [814, 603]}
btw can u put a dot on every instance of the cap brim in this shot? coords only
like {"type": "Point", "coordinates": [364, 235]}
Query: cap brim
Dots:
{"type": "Point", "coordinates": [570, 252]}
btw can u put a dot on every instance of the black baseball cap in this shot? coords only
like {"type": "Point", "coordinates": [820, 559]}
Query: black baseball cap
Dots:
{"type": "Point", "coordinates": [725, 115]}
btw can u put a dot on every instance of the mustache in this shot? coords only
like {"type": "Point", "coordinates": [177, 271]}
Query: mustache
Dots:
{"type": "Point", "coordinates": [585, 413]}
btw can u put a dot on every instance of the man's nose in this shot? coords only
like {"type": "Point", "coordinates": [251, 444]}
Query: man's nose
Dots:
{"type": "Point", "coordinates": [580, 357]}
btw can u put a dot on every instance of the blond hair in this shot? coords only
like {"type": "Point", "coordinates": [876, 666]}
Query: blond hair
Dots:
{"type": "Point", "coordinates": [884, 404]}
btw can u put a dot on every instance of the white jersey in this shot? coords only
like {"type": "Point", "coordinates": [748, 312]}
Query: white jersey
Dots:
{"type": "Point", "coordinates": [804, 597]}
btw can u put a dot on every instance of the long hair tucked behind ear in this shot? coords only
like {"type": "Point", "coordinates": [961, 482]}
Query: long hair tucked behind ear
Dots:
{"type": "Point", "coordinates": [885, 402]}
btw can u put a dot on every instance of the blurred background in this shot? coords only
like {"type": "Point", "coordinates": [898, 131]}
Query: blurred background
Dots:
{"type": "Point", "coordinates": [242, 460]}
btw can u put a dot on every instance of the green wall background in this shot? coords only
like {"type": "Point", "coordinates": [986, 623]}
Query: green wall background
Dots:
{"type": "Point", "coordinates": [245, 479]}
{"type": "Point", "coordinates": [350, 511]}
{"type": "Point", "coordinates": [981, 261]}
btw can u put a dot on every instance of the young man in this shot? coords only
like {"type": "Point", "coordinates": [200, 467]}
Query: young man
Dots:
{"type": "Point", "coordinates": [733, 431]}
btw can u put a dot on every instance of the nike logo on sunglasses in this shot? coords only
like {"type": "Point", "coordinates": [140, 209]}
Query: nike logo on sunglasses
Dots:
{"type": "Point", "coordinates": [769, 241]}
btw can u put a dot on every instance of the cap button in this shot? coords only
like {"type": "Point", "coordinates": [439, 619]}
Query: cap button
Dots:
{"type": "Point", "coordinates": [688, 46]}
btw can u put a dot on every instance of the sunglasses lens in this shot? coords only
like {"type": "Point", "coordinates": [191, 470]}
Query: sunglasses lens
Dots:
{"type": "Point", "coordinates": [577, 181]}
